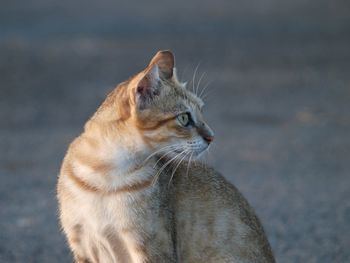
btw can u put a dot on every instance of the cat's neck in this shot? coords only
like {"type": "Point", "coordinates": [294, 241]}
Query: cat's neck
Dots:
{"type": "Point", "coordinates": [108, 161]}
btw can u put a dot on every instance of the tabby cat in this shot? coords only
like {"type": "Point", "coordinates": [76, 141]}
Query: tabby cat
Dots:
{"type": "Point", "coordinates": [129, 190]}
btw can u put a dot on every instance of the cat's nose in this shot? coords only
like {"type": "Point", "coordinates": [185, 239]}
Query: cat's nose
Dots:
{"type": "Point", "coordinates": [206, 133]}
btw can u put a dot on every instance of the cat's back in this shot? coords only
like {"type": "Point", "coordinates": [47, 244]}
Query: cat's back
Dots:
{"type": "Point", "coordinates": [214, 220]}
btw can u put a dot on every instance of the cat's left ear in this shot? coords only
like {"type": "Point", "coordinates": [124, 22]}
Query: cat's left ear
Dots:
{"type": "Point", "coordinates": [165, 61]}
{"type": "Point", "coordinates": [148, 86]}
{"type": "Point", "coordinates": [160, 67]}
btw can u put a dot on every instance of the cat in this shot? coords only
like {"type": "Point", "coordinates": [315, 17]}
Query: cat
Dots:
{"type": "Point", "coordinates": [129, 189]}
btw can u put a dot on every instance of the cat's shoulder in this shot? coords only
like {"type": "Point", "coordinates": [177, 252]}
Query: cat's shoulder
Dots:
{"type": "Point", "coordinates": [201, 179]}
{"type": "Point", "coordinates": [205, 188]}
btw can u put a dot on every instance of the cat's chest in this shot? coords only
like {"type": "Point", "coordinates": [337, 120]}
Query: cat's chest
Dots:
{"type": "Point", "coordinates": [128, 210]}
{"type": "Point", "coordinates": [133, 223]}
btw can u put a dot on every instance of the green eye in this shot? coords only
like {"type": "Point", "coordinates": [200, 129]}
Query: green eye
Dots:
{"type": "Point", "coordinates": [184, 119]}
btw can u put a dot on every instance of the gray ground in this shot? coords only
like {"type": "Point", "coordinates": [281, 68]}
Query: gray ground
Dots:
{"type": "Point", "coordinates": [279, 101]}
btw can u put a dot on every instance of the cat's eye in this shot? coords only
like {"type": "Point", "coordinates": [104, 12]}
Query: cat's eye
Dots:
{"type": "Point", "coordinates": [184, 119]}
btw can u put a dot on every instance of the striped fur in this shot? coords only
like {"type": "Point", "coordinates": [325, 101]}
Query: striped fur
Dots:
{"type": "Point", "coordinates": [128, 191]}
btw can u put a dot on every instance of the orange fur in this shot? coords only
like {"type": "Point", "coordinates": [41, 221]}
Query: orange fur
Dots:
{"type": "Point", "coordinates": [118, 200]}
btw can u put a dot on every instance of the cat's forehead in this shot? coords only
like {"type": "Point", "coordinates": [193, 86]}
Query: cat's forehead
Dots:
{"type": "Point", "coordinates": [195, 100]}
{"type": "Point", "coordinates": [178, 99]}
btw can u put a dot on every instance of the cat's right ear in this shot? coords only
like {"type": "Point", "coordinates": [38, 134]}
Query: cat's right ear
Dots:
{"type": "Point", "coordinates": [147, 87]}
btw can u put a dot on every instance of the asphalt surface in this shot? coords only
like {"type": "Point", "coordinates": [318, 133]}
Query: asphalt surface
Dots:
{"type": "Point", "coordinates": [278, 100]}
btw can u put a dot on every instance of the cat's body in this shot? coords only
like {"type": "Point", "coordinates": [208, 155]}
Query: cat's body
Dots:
{"type": "Point", "coordinates": [119, 204]}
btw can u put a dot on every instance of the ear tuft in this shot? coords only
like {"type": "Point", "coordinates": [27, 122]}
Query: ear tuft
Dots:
{"type": "Point", "coordinates": [166, 61]}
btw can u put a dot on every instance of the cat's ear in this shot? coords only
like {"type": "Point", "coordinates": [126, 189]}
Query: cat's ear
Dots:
{"type": "Point", "coordinates": [165, 61]}
{"type": "Point", "coordinates": [148, 86]}
{"type": "Point", "coordinates": [160, 67]}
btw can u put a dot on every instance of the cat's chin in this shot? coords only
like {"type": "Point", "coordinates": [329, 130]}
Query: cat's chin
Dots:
{"type": "Point", "coordinates": [186, 155]}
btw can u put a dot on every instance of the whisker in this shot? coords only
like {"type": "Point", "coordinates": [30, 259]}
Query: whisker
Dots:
{"type": "Point", "coordinates": [182, 74]}
{"type": "Point", "coordinates": [199, 82]}
{"type": "Point", "coordinates": [188, 164]}
{"type": "Point", "coordinates": [164, 166]}
{"type": "Point", "coordinates": [165, 154]}
{"type": "Point", "coordinates": [207, 94]}
{"type": "Point", "coordinates": [174, 170]}
{"type": "Point", "coordinates": [203, 90]}
{"type": "Point", "coordinates": [154, 153]}
{"type": "Point", "coordinates": [207, 154]}
{"type": "Point", "coordinates": [194, 77]}
{"type": "Point", "coordinates": [208, 151]}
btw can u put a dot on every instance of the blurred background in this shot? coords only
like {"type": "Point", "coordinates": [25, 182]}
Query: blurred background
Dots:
{"type": "Point", "coordinates": [278, 98]}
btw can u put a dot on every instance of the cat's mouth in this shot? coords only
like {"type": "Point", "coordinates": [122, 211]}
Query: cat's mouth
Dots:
{"type": "Point", "coordinates": [189, 152]}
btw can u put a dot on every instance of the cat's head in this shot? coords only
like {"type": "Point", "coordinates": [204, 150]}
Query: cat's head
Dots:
{"type": "Point", "coordinates": [167, 116]}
